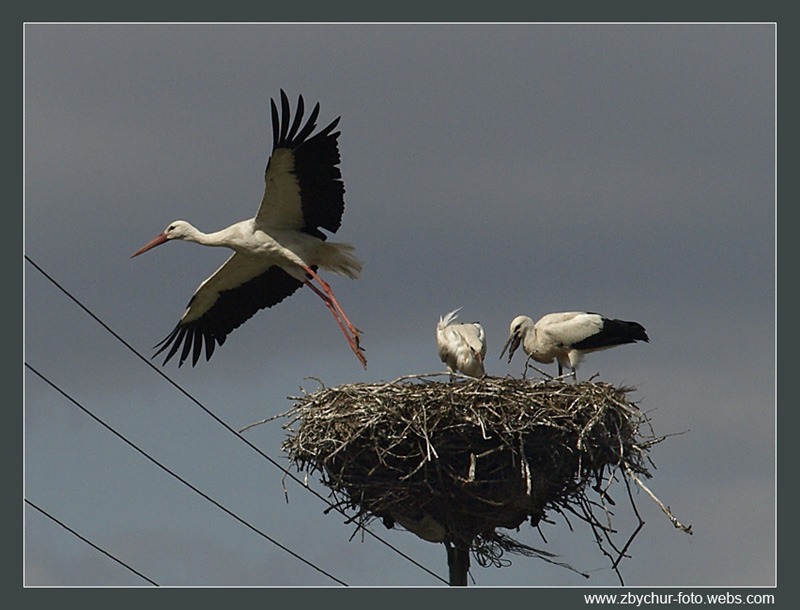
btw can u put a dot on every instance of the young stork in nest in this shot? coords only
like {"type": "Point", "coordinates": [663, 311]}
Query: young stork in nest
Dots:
{"type": "Point", "coordinates": [567, 336]}
{"type": "Point", "coordinates": [462, 346]}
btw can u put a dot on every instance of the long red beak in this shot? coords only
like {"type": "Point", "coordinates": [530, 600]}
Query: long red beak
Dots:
{"type": "Point", "coordinates": [156, 242]}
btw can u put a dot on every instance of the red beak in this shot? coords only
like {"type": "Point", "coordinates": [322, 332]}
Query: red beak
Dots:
{"type": "Point", "coordinates": [156, 242]}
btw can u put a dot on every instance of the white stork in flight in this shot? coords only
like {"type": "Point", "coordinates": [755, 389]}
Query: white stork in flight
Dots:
{"type": "Point", "coordinates": [567, 336]}
{"type": "Point", "coordinates": [280, 249]}
{"type": "Point", "coordinates": [462, 346]}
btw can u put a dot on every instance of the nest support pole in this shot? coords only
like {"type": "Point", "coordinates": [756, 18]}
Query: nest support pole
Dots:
{"type": "Point", "coordinates": [458, 563]}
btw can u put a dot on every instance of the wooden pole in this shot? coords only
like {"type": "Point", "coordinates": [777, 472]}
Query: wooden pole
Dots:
{"type": "Point", "coordinates": [458, 562]}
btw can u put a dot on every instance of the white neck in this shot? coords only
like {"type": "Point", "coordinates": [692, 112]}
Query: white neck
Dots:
{"type": "Point", "coordinates": [228, 237]}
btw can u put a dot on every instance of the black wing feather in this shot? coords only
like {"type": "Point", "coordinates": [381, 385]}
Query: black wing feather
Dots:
{"type": "Point", "coordinates": [316, 160]}
{"type": "Point", "coordinates": [198, 345]}
{"type": "Point", "coordinates": [310, 124]}
{"type": "Point", "coordinates": [175, 338]}
{"type": "Point", "coordinates": [298, 119]}
{"type": "Point", "coordinates": [614, 332]}
{"type": "Point", "coordinates": [232, 308]}
{"type": "Point", "coordinates": [209, 346]}
{"type": "Point", "coordinates": [187, 345]}
{"type": "Point", "coordinates": [275, 125]}
{"type": "Point", "coordinates": [284, 116]}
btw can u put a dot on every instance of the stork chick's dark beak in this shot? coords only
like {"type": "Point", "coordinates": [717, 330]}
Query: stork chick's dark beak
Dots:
{"type": "Point", "coordinates": [513, 340]}
{"type": "Point", "coordinates": [157, 241]}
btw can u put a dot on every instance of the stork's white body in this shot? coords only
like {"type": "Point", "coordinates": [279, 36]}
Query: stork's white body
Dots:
{"type": "Point", "coordinates": [280, 249]}
{"type": "Point", "coordinates": [255, 252]}
{"type": "Point", "coordinates": [461, 346]}
{"type": "Point", "coordinates": [567, 336]}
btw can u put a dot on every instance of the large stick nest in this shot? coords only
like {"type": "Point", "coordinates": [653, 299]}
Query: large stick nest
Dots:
{"type": "Point", "coordinates": [453, 461]}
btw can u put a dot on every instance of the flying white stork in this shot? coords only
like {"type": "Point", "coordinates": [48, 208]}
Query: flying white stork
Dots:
{"type": "Point", "coordinates": [567, 336]}
{"type": "Point", "coordinates": [280, 249]}
{"type": "Point", "coordinates": [462, 346]}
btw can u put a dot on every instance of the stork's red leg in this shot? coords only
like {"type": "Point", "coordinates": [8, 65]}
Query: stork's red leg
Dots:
{"type": "Point", "coordinates": [355, 332]}
{"type": "Point", "coordinates": [352, 340]}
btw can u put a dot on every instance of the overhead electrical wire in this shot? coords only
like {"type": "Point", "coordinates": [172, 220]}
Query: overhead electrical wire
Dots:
{"type": "Point", "coordinates": [222, 422]}
{"type": "Point", "coordinates": [89, 542]}
{"type": "Point", "coordinates": [179, 478]}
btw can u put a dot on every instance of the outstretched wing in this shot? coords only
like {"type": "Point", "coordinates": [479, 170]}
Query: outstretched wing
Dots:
{"type": "Point", "coordinates": [303, 190]}
{"type": "Point", "coordinates": [227, 299]}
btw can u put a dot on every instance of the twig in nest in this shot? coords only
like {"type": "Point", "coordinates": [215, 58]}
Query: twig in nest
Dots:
{"type": "Point", "coordinates": [667, 512]}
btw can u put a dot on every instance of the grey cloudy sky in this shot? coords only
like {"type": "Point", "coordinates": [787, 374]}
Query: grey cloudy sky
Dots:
{"type": "Point", "coordinates": [508, 169]}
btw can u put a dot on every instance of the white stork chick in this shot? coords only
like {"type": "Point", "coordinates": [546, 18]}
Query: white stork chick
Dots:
{"type": "Point", "coordinates": [277, 251]}
{"type": "Point", "coordinates": [462, 346]}
{"type": "Point", "coordinates": [568, 335]}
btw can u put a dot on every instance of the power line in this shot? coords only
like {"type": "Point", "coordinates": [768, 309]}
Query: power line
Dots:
{"type": "Point", "coordinates": [224, 424]}
{"type": "Point", "coordinates": [181, 479]}
{"type": "Point", "coordinates": [89, 542]}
